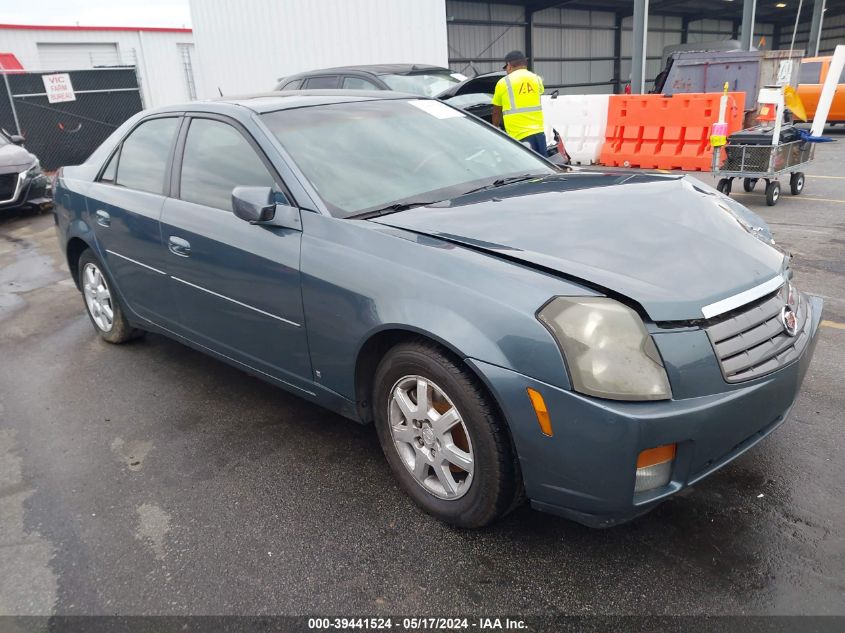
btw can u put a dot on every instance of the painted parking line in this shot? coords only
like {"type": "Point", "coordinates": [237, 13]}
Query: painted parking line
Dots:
{"type": "Point", "coordinates": [831, 177]}
{"type": "Point", "coordinates": [833, 324]}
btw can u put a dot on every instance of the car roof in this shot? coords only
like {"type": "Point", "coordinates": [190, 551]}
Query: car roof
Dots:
{"type": "Point", "coordinates": [273, 101]}
{"type": "Point", "coordinates": [376, 69]}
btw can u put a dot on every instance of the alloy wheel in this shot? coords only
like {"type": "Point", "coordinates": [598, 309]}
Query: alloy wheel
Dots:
{"type": "Point", "coordinates": [431, 438]}
{"type": "Point", "coordinates": [98, 297]}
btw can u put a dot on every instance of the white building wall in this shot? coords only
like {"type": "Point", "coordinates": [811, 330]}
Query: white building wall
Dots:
{"type": "Point", "coordinates": [246, 46]}
{"type": "Point", "coordinates": [156, 54]}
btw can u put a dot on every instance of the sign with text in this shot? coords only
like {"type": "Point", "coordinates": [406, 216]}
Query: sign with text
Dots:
{"type": "Point", "coordinates": [58, 88]}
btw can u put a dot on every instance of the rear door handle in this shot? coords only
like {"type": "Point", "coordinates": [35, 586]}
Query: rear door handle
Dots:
{"type": "Point", "coordinates": [103, 218]}
{"type": "Point", "coordinates": [179, 246]}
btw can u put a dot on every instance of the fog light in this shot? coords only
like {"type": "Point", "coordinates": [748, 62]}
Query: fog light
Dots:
{"type": "Point", "coordinates": [654, 468]}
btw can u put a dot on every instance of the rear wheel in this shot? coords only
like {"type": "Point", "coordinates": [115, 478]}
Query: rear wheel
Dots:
{"type": "Point", "coordinates": [443, 439]}
{"type": "Point", "coordinates": [724, 186]}
{"type": "Point", "coordinates": [748, 184]}
{"type": "Point", "coordinates": [101, 303]}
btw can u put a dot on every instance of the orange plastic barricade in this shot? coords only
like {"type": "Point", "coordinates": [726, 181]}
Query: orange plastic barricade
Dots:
{"type": "Point", "coordinates": [657, 132]}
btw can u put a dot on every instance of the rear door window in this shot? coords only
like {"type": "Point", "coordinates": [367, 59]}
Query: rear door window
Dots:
{"type": "Point", "coordinates": [217, 159]}
{"type": "Point", "coordinates": [809, 73]}
{"type": "Point", "coordinates": [358, 83]}
{"type": "Point", "coordinates": [324, 81]}
{"type": "Point", "coordinates": [143, 157]}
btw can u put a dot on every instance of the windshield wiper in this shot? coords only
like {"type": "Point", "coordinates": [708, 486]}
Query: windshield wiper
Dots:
{"type": "Point", "coordinates": [391, 208]}
{"type": "Point", "coordinates": [501, 182]}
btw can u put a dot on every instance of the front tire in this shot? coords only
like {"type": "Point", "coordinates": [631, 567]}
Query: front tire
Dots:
{"type": "Point", "coordinates": [772, 193]}
{"type": "Point", "coordinates": [101, 302]}
{"type": "Point", "coordinates": [442, 437]}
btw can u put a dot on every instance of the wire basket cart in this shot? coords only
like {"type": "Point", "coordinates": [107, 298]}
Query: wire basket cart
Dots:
{"type": "Point", "coordinates": [753, 163]}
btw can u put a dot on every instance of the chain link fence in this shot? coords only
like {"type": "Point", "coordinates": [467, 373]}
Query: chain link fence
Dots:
{"type": "Point", "coordinates": [66, 132]}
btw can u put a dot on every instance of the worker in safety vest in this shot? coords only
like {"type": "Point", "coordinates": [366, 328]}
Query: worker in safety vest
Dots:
{"type": "Point", "coordinates": [517, 100]}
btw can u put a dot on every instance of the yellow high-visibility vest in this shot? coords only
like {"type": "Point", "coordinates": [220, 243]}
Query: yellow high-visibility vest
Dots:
{"type": "Point", "coordinates": [518, 94]}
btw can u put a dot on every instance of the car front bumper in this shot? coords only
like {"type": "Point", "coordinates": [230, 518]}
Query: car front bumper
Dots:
{"type": "Point", "coordinates": [586, 470]}
{"type": "Point", "coordinates": [35, 192]}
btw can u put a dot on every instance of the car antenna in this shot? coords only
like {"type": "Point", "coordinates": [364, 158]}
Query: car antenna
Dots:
{"type": "Point", "coordinates": [220, 91]}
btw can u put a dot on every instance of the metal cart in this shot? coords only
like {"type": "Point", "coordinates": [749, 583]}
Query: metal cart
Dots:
{"type": "Point", "coordinates": [766, 162]}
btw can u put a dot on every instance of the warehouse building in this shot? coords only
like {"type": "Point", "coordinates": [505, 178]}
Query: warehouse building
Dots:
{"type": "Point", "coordinates": [579, 46]}
{"type": "Point", "coordinates": [163, 57]}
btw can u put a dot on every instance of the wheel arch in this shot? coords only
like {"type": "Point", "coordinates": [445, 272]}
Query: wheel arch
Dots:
{"type": "Point", "coordinates": [379, 343]}
{"type": "Point", "coordinates": [75, 247]}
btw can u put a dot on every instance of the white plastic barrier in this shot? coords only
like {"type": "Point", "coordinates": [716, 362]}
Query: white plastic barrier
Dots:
{"type": "Point", "coordinates": [581, 120]}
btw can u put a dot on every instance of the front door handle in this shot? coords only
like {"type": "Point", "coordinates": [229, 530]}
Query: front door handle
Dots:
{"type": "Point", "coordinates": [103, 218]}
{"type": "Point", "coordinates": [179, 246]}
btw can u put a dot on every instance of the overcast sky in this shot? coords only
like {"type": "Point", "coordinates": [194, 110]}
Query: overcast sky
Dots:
{"type": "Point", "coordinates": [173, 13]}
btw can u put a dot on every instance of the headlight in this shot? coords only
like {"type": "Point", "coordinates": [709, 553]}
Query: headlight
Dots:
{"type": "Point", "coordinates": [607, 348]}
{"type": "Point", "coordinates": [34, 170]}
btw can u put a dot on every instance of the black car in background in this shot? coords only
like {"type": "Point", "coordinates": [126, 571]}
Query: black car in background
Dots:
{"type": "Point", "coordinates": [22, 183]}
{"type": "Point", "coordinates": [471, 94]}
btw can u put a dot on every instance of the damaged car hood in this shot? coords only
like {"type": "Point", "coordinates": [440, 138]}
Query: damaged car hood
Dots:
{"type": "Point", "coordinates": [669, 243]}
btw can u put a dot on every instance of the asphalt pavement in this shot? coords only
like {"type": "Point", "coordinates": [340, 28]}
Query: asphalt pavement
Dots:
{"type": "Point", "coordinates": [150, 479]}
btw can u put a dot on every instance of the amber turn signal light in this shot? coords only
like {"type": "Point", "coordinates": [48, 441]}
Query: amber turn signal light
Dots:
{"type": "Point", "coordinates": [541, 410]}
{"type": "Point", "coordinates": [654, 468]}
{"type": "Point", "coordinates": [654, 456]}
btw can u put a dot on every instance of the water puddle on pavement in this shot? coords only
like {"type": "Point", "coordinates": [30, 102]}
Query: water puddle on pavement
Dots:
{"type": "Point", "coordinates": [22, 267]}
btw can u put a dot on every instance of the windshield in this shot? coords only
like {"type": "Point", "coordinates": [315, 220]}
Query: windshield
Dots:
{"type": "Point", "coordinates": [367, 155]}
{"type": "Point", "coordinates": [424, 84]}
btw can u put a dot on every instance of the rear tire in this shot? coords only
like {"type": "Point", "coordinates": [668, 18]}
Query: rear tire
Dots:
{"type": "Point", "coordinates": [724, 186]}
{"type": "Point", "coordinates": [467, 476]}
{"type": "Point", "coordinates": [101, 301]}
{"type": "Point", "coordinates": [748, 184]}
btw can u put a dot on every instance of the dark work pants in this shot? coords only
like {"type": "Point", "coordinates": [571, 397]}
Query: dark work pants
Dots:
{"type": "Point", "coordinates": [537, 142]}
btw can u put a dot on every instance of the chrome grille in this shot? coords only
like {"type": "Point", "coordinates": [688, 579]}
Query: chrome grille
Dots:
{"type": "Point", "coordinates": [752, 341]}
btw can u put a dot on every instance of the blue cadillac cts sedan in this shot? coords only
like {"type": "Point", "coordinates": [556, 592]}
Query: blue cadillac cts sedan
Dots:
{"type": "Point", "coordinates": [593, 342]}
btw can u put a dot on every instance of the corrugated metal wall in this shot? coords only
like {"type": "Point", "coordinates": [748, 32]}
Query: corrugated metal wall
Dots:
{"type": "Point", "coordinates": [584, 39]}
{"type": "Point", "coordinates": [246, 46]}
{"type": "Point", "coordinates": [833, 33]}
{"type": "Point", "coordinates": [471, 40]}
{"type": "Point", "coordinates": [575, 48]}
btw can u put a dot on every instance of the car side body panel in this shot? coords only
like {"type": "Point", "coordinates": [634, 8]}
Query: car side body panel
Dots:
{"type": "Point", "coordinates": [360, 278]}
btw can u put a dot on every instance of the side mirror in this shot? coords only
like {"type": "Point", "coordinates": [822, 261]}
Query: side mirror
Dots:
{"type": "Point", "coordinates": [257, 205]}
{"type": "Point", "coordinates": [253, 204]}
{"type": "Point", "coordinates": [17, 139]}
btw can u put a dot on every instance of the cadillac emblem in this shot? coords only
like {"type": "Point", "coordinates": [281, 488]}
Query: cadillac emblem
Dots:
{"type": "Point", "coordinates": [790, 322]}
